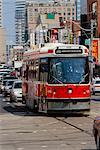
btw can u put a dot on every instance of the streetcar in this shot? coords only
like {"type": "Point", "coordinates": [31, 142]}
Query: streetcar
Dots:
{"type": "Point", "coordinates": [56, 78]}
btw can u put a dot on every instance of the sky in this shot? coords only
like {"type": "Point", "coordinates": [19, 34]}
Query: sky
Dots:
{"type": "Point", "coordinates": [83, 6]}
{"type": "Point", "coordinates": [8, 20]}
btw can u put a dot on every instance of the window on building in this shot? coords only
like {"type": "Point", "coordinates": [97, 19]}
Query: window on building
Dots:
{"type": "Point", "coordinates": [68, 13]}
{"type": "Point", "coordinates": [68, 9]}
{"type": "Point", "coordinates": [36, 10]}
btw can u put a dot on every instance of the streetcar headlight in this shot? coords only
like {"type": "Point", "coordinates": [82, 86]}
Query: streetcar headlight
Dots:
{"type": "Point", "coordinates": [70, 91]}
{"type": "Point", "coordinates": [54, 92]}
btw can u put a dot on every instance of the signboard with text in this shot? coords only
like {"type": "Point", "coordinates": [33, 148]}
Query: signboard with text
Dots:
{"type": "Point", "coordinates": [95, 47]}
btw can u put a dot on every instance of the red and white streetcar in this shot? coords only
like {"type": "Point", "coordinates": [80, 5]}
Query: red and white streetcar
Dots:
{"type": "Point", "coordinates": [56, 78]}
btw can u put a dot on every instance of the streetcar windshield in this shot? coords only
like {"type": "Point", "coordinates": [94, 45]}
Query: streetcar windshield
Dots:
{"type": "Point", "coordinates": [69, 70]}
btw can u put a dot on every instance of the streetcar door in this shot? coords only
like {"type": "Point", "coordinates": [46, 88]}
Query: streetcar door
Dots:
{"type": "Point", "coordinates": [43, 79]}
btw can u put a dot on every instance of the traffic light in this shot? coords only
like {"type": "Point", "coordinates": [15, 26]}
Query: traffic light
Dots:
{"type": "Point", "coordinates": [55, 33]}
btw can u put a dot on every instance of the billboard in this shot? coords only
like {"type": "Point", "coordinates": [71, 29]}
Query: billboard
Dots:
{"type": "Point", "coordinates": [95, 48]}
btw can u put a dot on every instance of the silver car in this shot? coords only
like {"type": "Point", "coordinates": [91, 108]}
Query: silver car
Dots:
{"type": "Point", "coordinates": [8, 87]}
{"type": "Point", "coordinates": [96, 86]}
{"type": "Point", "coordinates": [16, 91]}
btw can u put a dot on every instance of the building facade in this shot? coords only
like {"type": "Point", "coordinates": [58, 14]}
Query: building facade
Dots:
{"type": "Point", "coordinates": [93, 13]}
{"type": "Point", "coordinates": [20, 21]}
{"type": "Point", "coordinates": [65, 11]}
{"type": "Point", "coordinates": [2, 36]}
{"type": "Point", "coordinates": [0, 13]}
{"type": "Point", "coordinates": [78, 9]}
{"type": "Point", "coordinates": [2, 46]}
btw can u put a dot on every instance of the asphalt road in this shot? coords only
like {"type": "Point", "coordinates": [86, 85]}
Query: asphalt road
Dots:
{"type": "Point", "coordinates": [23, 130]}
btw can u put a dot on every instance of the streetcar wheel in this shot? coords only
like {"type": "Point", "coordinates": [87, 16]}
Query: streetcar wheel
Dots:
{"type": "Point", "coordinates": [4, 94]}
{"type": "Point", "coordinates": [35, 107]}
{"type": "Point", "coordinates": [11, 99]}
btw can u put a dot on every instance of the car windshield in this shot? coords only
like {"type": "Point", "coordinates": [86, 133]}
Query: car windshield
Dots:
{"type": "Point", "coordinates": [18, 85]}
{"type": "Point", "coordinates": [9, 83]}
{"type": "Point", "coordinates": [10, 77]}
{"type": "Point", "coordinates": [69, 70]}
{"type": "Point", "coordinates": [97, 82]}
{"type": "Point", "coordinates": [4, 82]}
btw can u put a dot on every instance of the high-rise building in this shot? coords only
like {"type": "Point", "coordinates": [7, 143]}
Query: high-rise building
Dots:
{"type": "Point", "coordinates": [78, 9]}
{"type": "Point", "coordinates": [0, 13]}
{"type": "Point", "coordinates": [83, 6]}
{"type": "Point", "coordinates": [2, 37]}
{"type": "Point", "coordinates": [20, 13]}
{"type": "Point", "coordinates": [2, 45]}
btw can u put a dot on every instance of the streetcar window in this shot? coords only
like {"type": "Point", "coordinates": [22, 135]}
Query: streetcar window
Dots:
{"type": "Point", "coordinates": [69, 70]}
{"type": "Point", "coordinates": [43, 69]}
{"type": "Point", "coordinates": [34, 72]}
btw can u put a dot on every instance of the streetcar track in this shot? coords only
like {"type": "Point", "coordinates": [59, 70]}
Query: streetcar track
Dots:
{"type": "Point", "coordinates": [55, 139]}
{"type": "Point", "coordinates": [72, 125]}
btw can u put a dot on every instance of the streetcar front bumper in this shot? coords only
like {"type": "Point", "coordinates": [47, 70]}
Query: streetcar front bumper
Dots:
{"type": "Point", "coordinates": [69, 105]}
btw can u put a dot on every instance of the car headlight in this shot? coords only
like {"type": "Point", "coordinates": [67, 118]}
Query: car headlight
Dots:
{"type": "Point", "coordinates": [2, 87]}
{"type": "Point", "coordinates": [16, 93]}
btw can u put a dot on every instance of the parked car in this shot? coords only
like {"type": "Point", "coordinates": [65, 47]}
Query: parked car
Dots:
{"type": "Point", "coordinates": [4, 80]}
{"type": "Point", "coordinates": [96, 132]}
{"type": "Point", "coordinates": [8, 87]}
{"type": "Point", "coordinates": [2, 85]}
{"type": "Point", "coordinates": [16, 91]}
{"type": "Point", "coordinates": [9, 77]}
{"type": "Point", "coordinates": [2, 74]}
{"type": "Point", "coordinates": [96, 86]}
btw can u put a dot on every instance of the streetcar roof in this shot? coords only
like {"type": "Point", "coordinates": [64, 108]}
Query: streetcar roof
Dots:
{"type": "Point", "coordinates": [53, 46]}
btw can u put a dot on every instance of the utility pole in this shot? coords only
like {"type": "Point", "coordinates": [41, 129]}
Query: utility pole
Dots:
{"type": "Point", "coordinates": [90, 50]}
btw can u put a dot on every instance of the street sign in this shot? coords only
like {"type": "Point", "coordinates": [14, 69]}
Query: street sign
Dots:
{"type": "Point", "coordinates": [87, 42]}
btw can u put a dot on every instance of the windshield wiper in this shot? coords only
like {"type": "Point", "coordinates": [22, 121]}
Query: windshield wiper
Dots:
{"type": "Point", "coordinates": [57, 79]}
{"type": "Point", "coordinates": [84, 78]}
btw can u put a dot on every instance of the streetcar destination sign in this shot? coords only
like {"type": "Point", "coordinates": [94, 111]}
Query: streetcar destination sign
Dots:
{"type": "Point", "coordinates": [68, 51]}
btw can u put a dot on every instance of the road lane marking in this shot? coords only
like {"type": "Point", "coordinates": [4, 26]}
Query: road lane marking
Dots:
{"type": "Point", "coordinates": [35, 131]}
{"type": "Point", "coordinates": [20, 148]}
{"type": "Point", "coordinates": [44, 130]}
{"type": "Point", "coordinates": [63, 144]}
{"type": "Point", "coordinates": [4, 134]}
{"type": "Point", "coordinates": [64, 127]}
{"type": "Point", "coordinates": [43, 146]}
{"type": "Point", "coordinates": [83, 143]}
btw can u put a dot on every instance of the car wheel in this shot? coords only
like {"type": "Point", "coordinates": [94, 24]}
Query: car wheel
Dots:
{"type": "Point", "coordinates": [93, 93]}
{"type": "Point", "coordinates": [23, 100]}
{"type": "Point", "coordinates": [98, 142]}
{"type": "Point", "coordinates": [4, 94]}
{"type": "Point", "coordinates": [11, 99]}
